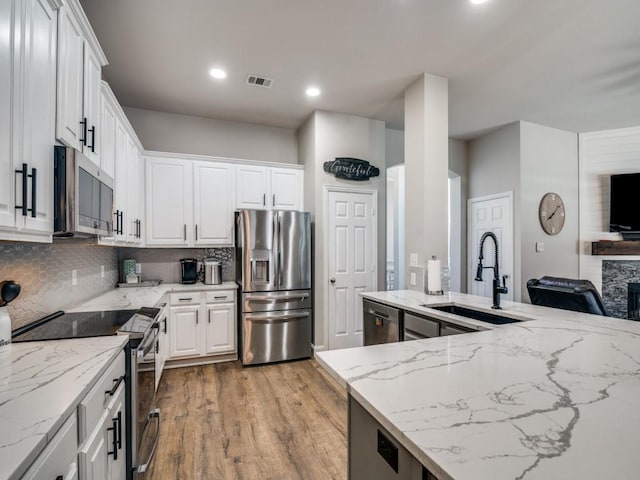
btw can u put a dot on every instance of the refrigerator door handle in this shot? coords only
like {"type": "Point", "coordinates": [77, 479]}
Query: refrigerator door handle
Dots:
{"type": "Point", "coordinates": [276, 318]}
{"type": "Point", "coordinates": [279, 298]}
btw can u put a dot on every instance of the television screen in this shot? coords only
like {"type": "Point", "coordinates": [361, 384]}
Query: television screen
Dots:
{"type": "Point", "coordinates": [624, 208]}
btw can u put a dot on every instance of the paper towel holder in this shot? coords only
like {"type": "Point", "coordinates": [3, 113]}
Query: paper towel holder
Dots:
{"type": "Point", "coordinates": [431, 291]}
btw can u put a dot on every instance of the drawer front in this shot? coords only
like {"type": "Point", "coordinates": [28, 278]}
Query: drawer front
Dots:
{"type": "Point", "coordinates": [93, 405]}
{"type": "Point", "coordinates": [420, 326]}
{"type": "Point", "coordinates": [221, 296]}
{"type": "Point", "coordinates": [185, 298]}
{"type": "Point", "coordinates": [59, 457]}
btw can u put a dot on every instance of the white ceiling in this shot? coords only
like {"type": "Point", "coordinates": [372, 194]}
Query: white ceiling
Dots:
{"type": "Point", "coordinates": [570, 64]}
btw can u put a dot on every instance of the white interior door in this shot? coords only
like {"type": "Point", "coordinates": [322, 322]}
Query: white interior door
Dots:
{"type": "Point", "coordinates": [351, 250]}
{"type": "Point", "coordinates": [495, 214]}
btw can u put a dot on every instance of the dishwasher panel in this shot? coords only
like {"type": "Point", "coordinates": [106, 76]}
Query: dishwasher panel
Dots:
{"type": "Point", "coordinates": [381, 323]}
{"type": "Point", "coordinates": [416, 327]}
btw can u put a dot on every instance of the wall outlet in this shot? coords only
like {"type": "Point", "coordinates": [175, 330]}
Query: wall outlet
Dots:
{"type": "Point", "coordinates": [101, 271]}
{"type": "Point", "coordinates": [138, 269]}
{"type": "Point", "coordinates": [412, 281]}
{"type": "Point", "coordinates": [74, 278]}
{"type": "Point", "coordinates": [539, 246]}
{"type": "Point", "coordinates": [413, 260]}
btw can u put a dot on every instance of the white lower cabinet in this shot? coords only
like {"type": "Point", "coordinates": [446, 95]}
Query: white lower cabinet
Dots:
{"type": "Point", "coordinates": [220, 329]}
{"type": "Point", "coordinates": [92, 443]}
{"type": "Point", "coordinates": [59, 458]}
{"type": "Point", "coordinates": [184, 338]}
{"type": "Point", "coordinates": [203, 328]}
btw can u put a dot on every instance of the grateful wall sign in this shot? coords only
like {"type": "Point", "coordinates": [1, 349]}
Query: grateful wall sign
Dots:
{"type": "Point", "coordinates": [348, 168]}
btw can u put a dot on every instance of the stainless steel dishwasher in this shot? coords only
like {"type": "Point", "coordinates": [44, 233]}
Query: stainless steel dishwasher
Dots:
{"type": "Point", "coordinates": [381, 323]}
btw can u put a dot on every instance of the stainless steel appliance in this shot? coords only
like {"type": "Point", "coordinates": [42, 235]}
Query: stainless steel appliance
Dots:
{"type": "Point", "coordinates": [381, 323]}
{"type": "Point", "coordinates": [142, 327]}
{"type": "Point", "coordinates": [212, 272]}
{"type": "Point", "coordinates": [273, 260]}
{"type": "Point", "coordinates": [83, 196]}
{"type": "Point", "coordinates": [416, 327]}
{"type": "Point", "coordinates": [189, 270]}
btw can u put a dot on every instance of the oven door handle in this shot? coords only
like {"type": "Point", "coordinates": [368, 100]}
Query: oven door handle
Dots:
{"type": "Point", "coordinates": [152, 414]}
{"type": "Point", "coordinates": [146, 347]}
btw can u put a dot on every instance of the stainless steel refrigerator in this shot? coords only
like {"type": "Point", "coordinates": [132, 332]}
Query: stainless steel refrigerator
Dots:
{"type": "Point", "coordinates": [273, 261]}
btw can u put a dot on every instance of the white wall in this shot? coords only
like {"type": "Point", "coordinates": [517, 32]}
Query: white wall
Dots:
{"type": "Point", "coordinates": [323, 137]}
{"type": "Point", "coordinates": [426, 141]}
{"type": "Point", "coordinates": [548, 163]}
{"type": "Point", "coordinates": [494, 167]}
{"type": "Point", "coordinates": [170, 132]}
{"type": "Point", "coordinates": [459, 166]}
{"type": "Point", "coordinates": [531, 160]}
{"type": "Point", "coordinates": [394, 147]}
{"type": "Point", "coordinates": [601, 155]}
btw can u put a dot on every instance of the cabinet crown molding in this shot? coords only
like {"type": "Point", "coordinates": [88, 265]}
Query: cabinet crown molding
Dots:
{"type": "Point", "coordinates": [209, 158]}
{"type": "Point", "coordinates": [87, 30]}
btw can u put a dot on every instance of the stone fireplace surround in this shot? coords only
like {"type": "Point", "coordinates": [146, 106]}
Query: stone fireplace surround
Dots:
{"type": "Point", "coordinates": [616, 276]}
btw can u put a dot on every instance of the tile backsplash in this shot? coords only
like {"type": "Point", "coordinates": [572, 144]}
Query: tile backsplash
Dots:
{"type": "Point", "coordinates": [44, 271]}
{"type": "Point", "coordinates": [164, 263]}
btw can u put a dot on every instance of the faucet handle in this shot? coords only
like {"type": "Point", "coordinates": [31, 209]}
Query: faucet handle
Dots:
{"type": "Point", "coordinates": [504, 288]}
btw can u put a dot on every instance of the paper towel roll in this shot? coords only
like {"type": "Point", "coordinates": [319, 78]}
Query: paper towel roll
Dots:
{"type": "Point", "coordinates": [434, 280]}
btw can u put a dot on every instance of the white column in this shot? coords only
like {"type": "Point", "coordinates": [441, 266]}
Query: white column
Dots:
{"type": "Point", "coordinates": [426, 140]}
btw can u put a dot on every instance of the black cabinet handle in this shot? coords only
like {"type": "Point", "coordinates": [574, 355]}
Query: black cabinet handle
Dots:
{"type": "Point", "coordinates": [264, 199]}
{"type": "Point", "coordinates": [273, 200]}
{"type": "Point", "coordinates": [117, 383]}
{"type": "Point", "coordinates": [33, 192]}
{"type": "Point", "coordinates": [185, 232]}
{"type": "Point", "coordinates": [196, 232]}
{"type": "Point", "coordinates": [114, 441]}
{"type": "Point", "coordinates": [119, 417]}
{"type": "Point", "coordinates": [83, 140]}
{"type": "Point", "coordinates": [164, 325]}
{"type": "Point", "coordinates": [121, 227]}
{"type": "Point", "coordinates": [23, 172]}
{"type": "Point", "coordinates": [93, 138]}
{"type": "Point", "coordinates": [139, 228]}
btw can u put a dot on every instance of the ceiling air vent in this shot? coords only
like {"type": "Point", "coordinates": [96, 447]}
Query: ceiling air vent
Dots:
{"type": "Point", "coordinates": [259, 81]}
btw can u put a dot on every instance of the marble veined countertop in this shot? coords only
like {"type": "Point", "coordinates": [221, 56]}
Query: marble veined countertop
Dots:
{"type": "Point", "coordinates": [41, 384]}
{"type": "Point", "coordinates": [130, 298]}
{"type": "Point", "coordinates": [554, 397]}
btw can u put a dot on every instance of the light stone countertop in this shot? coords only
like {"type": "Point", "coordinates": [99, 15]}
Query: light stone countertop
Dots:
{"type": "Point", "coordinates": [553, 397]}
{"type": "Point", "coordinates": [41, 384]}
{"type": "Point", "coordinates": [130, 298]}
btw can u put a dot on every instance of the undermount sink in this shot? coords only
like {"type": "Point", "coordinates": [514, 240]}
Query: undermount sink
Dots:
{"type": "Point", "coordinates": [474, 314]}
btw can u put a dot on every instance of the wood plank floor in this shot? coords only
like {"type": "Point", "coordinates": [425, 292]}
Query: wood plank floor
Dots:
{"type": "Point", "coordinates": [273, 422]}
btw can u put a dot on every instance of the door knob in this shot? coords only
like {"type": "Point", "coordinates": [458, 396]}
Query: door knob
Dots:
{"type": "Point", "coordinates": [332, 280]}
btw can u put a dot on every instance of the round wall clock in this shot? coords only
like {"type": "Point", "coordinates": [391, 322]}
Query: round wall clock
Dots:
{"type": "Point", "coordinates": [551, 213]}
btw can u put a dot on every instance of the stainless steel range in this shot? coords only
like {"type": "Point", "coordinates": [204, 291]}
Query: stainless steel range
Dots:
{"type": "Point", "coordinates": [142, 326]}
{"type": "Point", "coordinates": [273, 257]}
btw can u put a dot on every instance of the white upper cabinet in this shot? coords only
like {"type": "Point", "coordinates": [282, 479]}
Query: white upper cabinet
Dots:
{"type": "Point", "coordinates": [121, 158]}
{"type": "Point", "coordinates": [169, 202]}
{"type": "Point", "coordinates": [252, 187]}
{"type": "Point", "coordinates": [269, 188]}
{"type": "Point", "coordinates": [286, 189]}
{"type": "Point", "coordinates": [27, 118]}
{"type": "Point", "coordinates": [213, 204]}
{"type": "Point", "coordinates": [80, 62]}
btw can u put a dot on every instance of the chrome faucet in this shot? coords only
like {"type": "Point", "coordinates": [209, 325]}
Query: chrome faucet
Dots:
{"type": "Point", "coordinates": [497, 288]}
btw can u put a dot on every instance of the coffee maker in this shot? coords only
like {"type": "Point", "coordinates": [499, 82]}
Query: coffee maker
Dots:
{"type": "Point", "coordinates": [189, 270]}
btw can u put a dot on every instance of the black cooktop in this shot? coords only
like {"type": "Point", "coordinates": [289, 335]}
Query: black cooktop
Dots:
{"type": "Point", "coordinates": [60, 325]}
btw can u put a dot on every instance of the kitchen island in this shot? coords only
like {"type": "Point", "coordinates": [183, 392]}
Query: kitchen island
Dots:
{"type": "Point", "coordinates": [41, 385]}
{"type": "Point", "coordinates": [555, 396]}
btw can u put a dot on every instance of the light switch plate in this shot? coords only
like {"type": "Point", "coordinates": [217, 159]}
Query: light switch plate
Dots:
{"type": "Point", "coordinates": [416, 279]}
{"type": "Point", "coordinates": [413, 260]}
{"type": "Point", "coordinates": [539, 246]}
{"type": "Point", "coordinates": [74, 278]}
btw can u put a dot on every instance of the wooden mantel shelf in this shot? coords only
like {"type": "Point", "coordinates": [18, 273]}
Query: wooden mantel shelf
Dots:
{"type": "Point", "coordinates": [617, 247]}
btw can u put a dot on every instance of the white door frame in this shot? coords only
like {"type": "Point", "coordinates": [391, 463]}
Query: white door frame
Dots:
{"type": "Point", "coordinates": [325, 250]}
{"type": "Point", "coordinates": [472, 250]}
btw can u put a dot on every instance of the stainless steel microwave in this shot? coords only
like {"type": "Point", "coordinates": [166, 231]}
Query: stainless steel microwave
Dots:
{"type": "Point", "coordinates": [83, 196]}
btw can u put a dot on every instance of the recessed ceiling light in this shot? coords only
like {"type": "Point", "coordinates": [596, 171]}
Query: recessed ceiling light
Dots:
{"type": "Point", "coordinates": [218, 73]}
{"type": "Point", "coordinates": [312, 92]}
{"type": "Point", "coordinates": [478, 2]}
